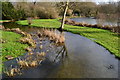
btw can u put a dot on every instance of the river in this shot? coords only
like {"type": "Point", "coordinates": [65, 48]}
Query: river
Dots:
{"type": "Point", "coordinates": [94, 21]}
{"type": "Point", "coordinates": [85, 59]}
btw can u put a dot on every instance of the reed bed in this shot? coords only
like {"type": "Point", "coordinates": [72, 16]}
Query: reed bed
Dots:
{"type": "Point", "coordinates": [52, 35]}
{"type": "Point", "coordinates": [11, 72]}
{"type": "Point", "coordinates": [30, 60]}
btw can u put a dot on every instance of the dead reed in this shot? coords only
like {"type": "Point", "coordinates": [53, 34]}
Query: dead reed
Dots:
{"type": "Point", "coordinates": [11, 72]}
{"type": "Point", "coordinates": [52, 35]}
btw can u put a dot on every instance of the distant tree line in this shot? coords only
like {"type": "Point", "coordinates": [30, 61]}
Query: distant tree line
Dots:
{"type": "Point", "coordinates": [48, 10]}
{"type": "Point", "coordinates": [108, 11]}
{"type": "Point", "coordinates": [9, 12]}
{"type": "Point", "coordinates": [23, 10]}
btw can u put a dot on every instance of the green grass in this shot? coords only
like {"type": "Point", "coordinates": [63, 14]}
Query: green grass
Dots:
{"type": "Point", "coordinates": [12, 46]}
{"type": "Point", "coordinates": [103, 37]}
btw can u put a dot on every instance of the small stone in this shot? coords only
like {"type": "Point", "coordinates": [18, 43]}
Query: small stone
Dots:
{"type": "Point", "coordinates": [2, 27]}
{"type": "Point", "coordinates": [30, 53]}
{"type": "Point", "coordinates": [42, 54]}
{"type": "Point", "coordinates": [41, 46]}
{"type": "Point", "coordinates": [28, 49]}
{"type": "Point", "coordinates": [40, 39]}
{"type": "Point", "coordinates": [40, 42]}
{"type": "Point", "coordinates": [2, 41]}
{"type": "Point", "coordinates": [47, 50]}
{"type": "Point", "coordinates": [9, 57]}
{"type": "Point", "coordinates": [7, 29]}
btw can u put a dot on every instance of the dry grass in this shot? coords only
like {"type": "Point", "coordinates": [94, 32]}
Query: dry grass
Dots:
{"type": "Point", "coordinates": [42, 54]}
{"type": "Point", "coordinates": [32, 60]}
{"type": "Point", "coordinates": [52, 35]}
{"type": "Point", "coordinates": [33, 64]}
{"type": "Point", "coordinates": [12, 71]}
{"type": "Point", "coordinates": [27, 37]}
{"type": "Point", "coordinates": [23, 63]}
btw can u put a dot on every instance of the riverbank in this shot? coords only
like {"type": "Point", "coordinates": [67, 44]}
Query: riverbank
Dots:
{"type": "Point", "coordinates": [11, 45]}
{"type": "Point", "coordinates": [115, 29]}
{"type": "Point", "coordinates": [103, 37]}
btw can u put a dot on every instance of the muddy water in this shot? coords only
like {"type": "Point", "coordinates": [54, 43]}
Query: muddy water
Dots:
{"type": "Point", "coordinates": [85, 59]}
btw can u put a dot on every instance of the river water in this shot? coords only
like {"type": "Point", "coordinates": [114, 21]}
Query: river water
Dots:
{"type": "Point", "coordinates": [85, 59]}
{"type": "Point", "coordinates": [94, 21]}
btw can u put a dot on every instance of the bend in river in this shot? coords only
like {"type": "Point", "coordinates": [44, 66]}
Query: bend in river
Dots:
{"type": "Point", "coordinates": [85, 59]}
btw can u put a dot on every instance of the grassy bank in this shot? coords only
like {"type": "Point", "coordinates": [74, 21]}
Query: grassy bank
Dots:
{"type": "Point", "coordinates": [104, 37]}
{"type": "Point", "coordinates": [11, 46]}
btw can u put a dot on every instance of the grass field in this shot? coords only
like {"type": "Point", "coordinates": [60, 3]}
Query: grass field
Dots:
{"type": "Point", "coordinates": [11, 46]}
{"type": "Point", "coordinates": [103, 37]}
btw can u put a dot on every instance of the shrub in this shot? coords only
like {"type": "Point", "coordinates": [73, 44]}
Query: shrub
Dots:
{"type": "Point", "coordinates": [46, 12]}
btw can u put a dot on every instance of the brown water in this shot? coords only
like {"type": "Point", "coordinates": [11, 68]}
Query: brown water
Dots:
{"type": "Point", "coordinates": [85, 59]}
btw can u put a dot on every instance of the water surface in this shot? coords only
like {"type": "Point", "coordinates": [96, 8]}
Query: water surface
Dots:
{"type": "Point", "coordinates": [85, 59]}
{"type": "Point", "coordinates": [95, 21]}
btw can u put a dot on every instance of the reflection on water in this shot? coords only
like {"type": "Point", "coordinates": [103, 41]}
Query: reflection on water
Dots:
{"type": "Point", "coordinates": [82, 59]}
{"type": "Point", "coordinates": [94, 21]}
{"type": "Point", "coordinates": [86, 59]}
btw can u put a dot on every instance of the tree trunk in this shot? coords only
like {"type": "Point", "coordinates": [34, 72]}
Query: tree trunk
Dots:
{"type": "Point", "coordinates": [63, 18]}
{"type": "Point", "coordinates": [30, 19]}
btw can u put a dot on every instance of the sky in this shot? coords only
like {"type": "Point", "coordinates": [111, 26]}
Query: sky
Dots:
{"type": "Point", "coordinates": [62, 0]}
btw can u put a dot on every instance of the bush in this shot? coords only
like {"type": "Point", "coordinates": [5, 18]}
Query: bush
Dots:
{"type": "Point", "coordinates": [12, 13]}
{"type": "Point", "coordinates": [45, 12]}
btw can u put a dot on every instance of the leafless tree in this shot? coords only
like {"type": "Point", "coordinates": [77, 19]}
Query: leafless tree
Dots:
{"type": "Point", "coordinates": [64, 15]}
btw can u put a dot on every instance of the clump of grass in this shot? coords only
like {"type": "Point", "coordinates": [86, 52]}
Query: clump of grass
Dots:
{"type": "Point", "coordinates": [28, 49]}
{"type": "Point", "coordinates": [33, 64]}
{"type": "Point", "coordinates": [16, 30]}
{"type": "Point", "coordinates": [11, 72]}
{"type": "Point", "coordinates": [42, 54]}
{"type": "Point", "coordinates": [28, 40]}
{"type": "Point", "coordinates": [53, 35]}
{"type": "Point", "coordinates": [31, 60]}
{"type": "Point", "coordinates": [23, 63]}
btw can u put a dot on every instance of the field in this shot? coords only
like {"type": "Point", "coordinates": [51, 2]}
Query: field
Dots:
{"type": "Point", "coordinates": [11, 46]}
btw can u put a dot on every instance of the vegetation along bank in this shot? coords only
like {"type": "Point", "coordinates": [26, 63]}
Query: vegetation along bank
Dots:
{"type": "Point", "coordinates": [105, 38]}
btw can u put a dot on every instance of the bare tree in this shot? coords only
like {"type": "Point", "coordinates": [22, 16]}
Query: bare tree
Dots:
{"type": "Point", "coordinates": [64, 15]}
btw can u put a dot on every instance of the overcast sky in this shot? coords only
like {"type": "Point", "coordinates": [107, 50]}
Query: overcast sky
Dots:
{"type": "Point", "coordinates": [63, 0]}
